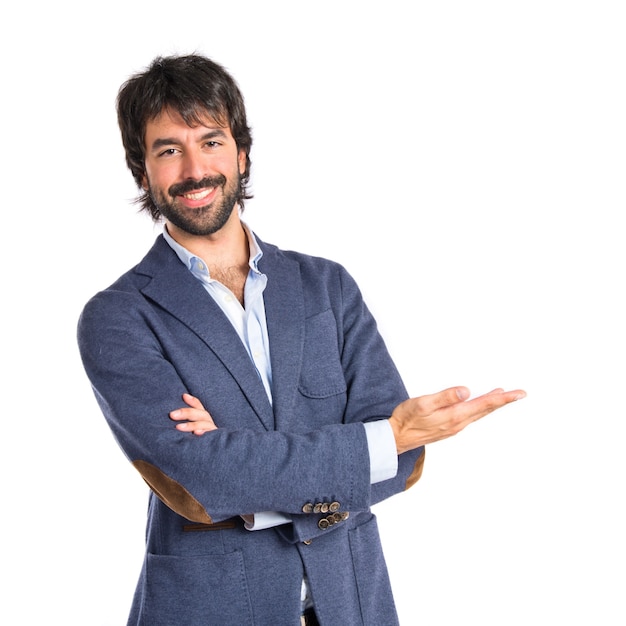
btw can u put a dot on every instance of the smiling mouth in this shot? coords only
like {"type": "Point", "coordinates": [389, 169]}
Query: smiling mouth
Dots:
{"type": "Point", "coordinates": [198, 195]}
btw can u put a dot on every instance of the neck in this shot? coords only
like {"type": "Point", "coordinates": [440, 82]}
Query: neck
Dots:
{"type": "Point", "coordinates": [226, 253]}
{"type": "Point", "coordinates": [227, 247]}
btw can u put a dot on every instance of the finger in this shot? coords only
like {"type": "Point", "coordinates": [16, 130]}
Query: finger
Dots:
{"type": "Point", "coordinates": [432, 402]}
{"type": "Point", "coordinates": [483, 405]}
{"type": "Point", "coordinates": [178, 414]}
{"type": "Point", "coordinates": [192, 401]}
{"type": "Point", "coordinates": [198, 428]}
{"type": "Point", "coordinates": [201, 431]}
{"type": "Point", "coordinates": [464, 413]}
{"type": "Point", "coordinates": [504, 397]}
{"type": "Point", "coordinates": [193, 415]}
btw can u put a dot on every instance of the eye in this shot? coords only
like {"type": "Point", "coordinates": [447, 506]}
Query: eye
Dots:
{"type": "Point", "coordinates": [167, 152]}
{"type": "Point", "coordinates": [212, 144]}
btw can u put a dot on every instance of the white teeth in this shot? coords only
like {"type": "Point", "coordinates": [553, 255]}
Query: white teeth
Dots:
{"type": "Point", "coordinates": [198, 195]}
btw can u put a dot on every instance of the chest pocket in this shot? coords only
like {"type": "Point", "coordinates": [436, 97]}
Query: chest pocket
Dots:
{"type": "Point", "coordinates": [322, 374]}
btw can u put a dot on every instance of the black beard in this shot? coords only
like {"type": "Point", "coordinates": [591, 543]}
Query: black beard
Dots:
{"type": "Point", "coordinates": [204, 220]}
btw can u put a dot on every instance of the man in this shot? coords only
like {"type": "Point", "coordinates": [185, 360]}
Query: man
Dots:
{"type": "Point", "coordinates": [249, 386]}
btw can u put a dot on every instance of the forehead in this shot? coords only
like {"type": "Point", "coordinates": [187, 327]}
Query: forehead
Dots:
{"type": "Point", "coordinates": [170, 122]}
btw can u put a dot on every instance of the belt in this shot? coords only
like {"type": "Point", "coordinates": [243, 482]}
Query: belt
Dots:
{"type": "Point", "coordinates": [309, 618]}
{"type": "Point", "coordinates": [231, 522]}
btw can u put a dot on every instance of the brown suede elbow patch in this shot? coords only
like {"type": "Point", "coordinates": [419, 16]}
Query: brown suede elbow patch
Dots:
{"type": "Point", "coordinates": [172, 493]}
{"type": "Point", "coordinates": [416, 474]}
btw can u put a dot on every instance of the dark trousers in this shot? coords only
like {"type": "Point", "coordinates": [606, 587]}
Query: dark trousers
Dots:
{"type": "Point", "coordinates": [309, 618]}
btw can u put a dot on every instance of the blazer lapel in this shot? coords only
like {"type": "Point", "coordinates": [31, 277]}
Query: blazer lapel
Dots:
{"type": "Point", "coordinates": [284, 311]}
{"type": "Point", "coordinates": [175, 289]}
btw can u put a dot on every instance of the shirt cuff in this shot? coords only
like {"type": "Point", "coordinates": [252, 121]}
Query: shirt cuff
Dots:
{"type": "Point", "coordinates": [382, 448]}
{"type": "Point", "coordinates": [266, 519]}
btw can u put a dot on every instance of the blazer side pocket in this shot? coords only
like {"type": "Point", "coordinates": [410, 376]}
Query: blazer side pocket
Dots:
{"type": "Point", "coordinates": [188, 591]}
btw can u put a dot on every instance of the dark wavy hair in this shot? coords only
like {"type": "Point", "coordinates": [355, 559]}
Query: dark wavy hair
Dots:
{"type": "Point", "coordinates": [195, 87]}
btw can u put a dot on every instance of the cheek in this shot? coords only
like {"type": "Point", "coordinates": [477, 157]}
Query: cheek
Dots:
{"type": "Point", "coordinates": [158, 177]}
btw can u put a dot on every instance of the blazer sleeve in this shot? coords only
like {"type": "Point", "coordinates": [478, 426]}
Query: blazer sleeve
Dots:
{"type": "Point", "coordinates": [374, 383]}
{"type": "Point", "coordinates": [346, 362]}
{"type": "Point", "coordinates": [237, 469]}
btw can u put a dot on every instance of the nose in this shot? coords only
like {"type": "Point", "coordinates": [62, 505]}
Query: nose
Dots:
{"type": "Point", "coordinates": [194, 166]}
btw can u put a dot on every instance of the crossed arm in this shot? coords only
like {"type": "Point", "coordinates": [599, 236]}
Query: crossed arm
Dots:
{"type": "Point", "coordinates": [415, 422]}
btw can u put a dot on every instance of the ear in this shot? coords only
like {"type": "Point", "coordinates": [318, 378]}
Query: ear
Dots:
{"type": "Point", "coordinates": [144, 182]}
{"type": "Point", "coordinates": [241, 159]}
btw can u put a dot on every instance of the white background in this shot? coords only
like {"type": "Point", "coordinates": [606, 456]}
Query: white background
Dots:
{"type": "Point", "coordinates": [464, 160]}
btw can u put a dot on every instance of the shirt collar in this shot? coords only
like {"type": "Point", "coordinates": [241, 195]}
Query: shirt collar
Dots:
{"type": "Point", "coordinates": [191, 260]}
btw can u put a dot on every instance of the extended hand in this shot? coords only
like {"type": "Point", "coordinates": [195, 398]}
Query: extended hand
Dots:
{"type": "Point", "coordinates": [196, 419]}
{"type": "Point", "coordinates": [426, 419]}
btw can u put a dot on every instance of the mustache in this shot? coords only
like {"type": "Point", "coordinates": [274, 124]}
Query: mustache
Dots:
{"type": "Point", "coordinates": [188, 186]}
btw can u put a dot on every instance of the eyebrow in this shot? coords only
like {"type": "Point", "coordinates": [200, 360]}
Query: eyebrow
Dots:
{"type": "Point", "coordinates": [161, 142]}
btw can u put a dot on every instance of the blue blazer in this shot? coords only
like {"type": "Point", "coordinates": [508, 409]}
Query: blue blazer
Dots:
{"type": "Point", "coordinates": [155, 334]}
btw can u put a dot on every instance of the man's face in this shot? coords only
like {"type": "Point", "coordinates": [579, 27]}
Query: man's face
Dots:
{"type": "Point", "coordinates": [192, 173]}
